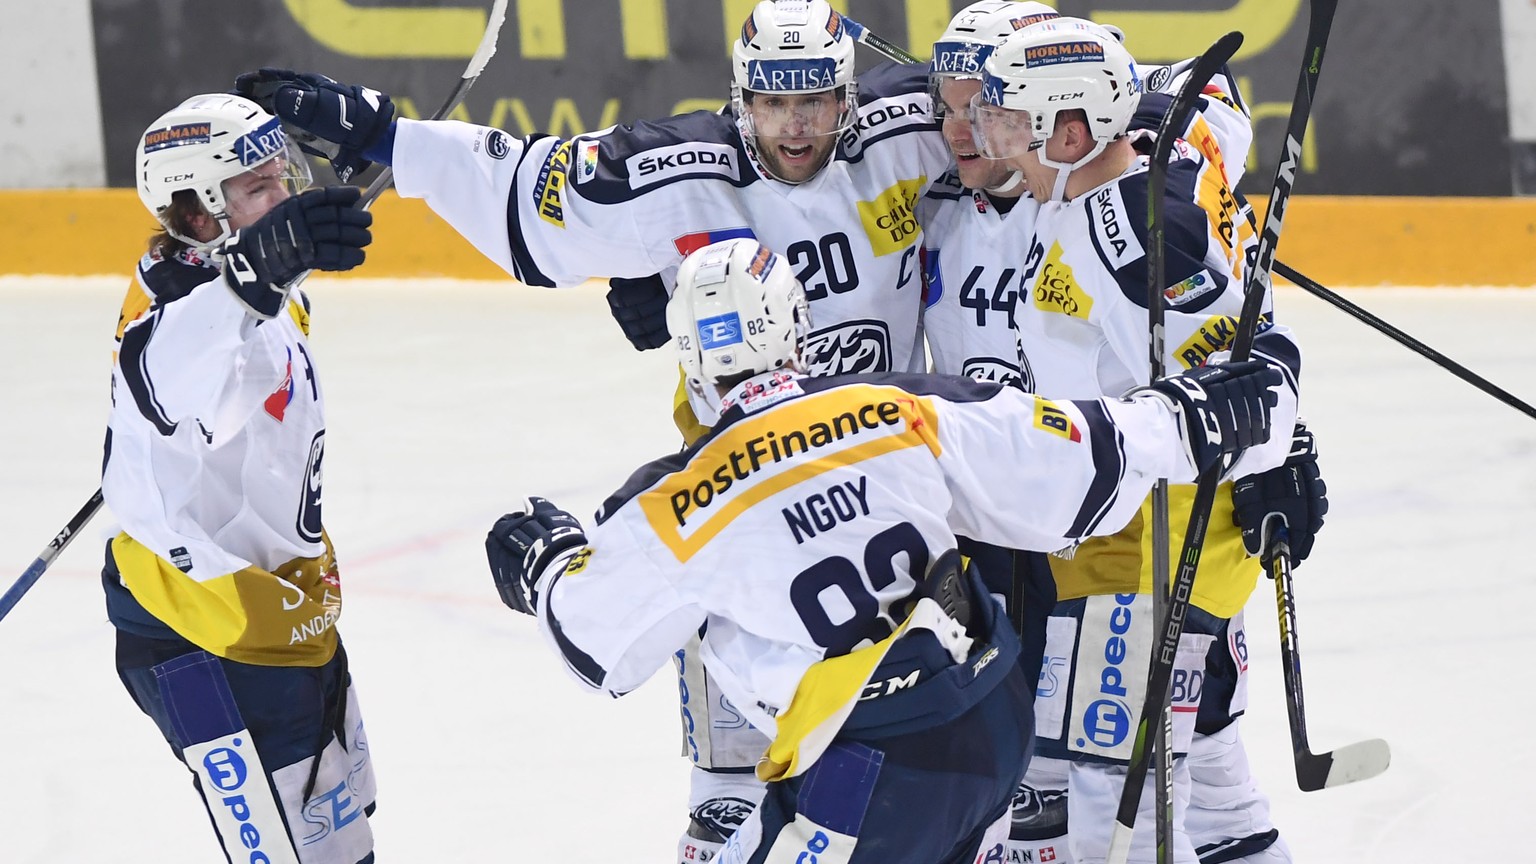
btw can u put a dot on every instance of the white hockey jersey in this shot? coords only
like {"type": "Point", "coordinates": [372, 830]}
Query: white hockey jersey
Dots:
{"type": "Point", "coordinates": [1083, 326]}
{"type": "Point", "coordinates": [813, 507]}
{"type": "Point", "coordinates": [213, 469]}
{"type": "Point", "coordinates": [632, 201]}
{"type": "Point", "coordinates": [973, 260]}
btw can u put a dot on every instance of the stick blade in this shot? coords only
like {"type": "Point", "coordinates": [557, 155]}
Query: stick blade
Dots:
{"type": "Point", "coordinates": [1349, 764]}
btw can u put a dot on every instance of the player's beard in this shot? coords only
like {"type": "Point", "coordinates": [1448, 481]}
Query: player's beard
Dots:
{"type": "Point", "coordinates": [795, 160]}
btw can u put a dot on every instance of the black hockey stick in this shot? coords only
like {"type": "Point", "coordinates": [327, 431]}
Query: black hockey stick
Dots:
{"type": "Point", "coordinates": [1172, 625]}
{"type": "Point", "coordinates": [1156, 704]}
{"type": "Point", "coordinates": [60, 540]}
{"type": "Point", "coordinates": [1348, 764]}
{"type": "Point", "coordinates": [482, 55]}
{"type": "Point", "coordinates": [1311, 286]}
{"type": "Point", "coordinates": [890, 50]}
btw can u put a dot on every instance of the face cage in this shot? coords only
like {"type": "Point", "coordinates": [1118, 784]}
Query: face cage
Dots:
{"type": "Point", "coordinates": [846, 118]}
{"type": "Point", "coordinates": [1002, 133]}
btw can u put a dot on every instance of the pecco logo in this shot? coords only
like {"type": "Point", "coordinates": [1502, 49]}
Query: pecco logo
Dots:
{"type": "Point", "coordinates": [1107, 720]}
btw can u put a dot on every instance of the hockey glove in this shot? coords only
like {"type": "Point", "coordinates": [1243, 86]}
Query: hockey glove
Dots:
{"type": "Point", "coordinates": [321, 229]}
{"type": "Point", "coordinates": [522, 543]}
{"type": "Point", "coordinates": [1292, 496]}
{"type": "Point", "coordinates": [640, 307]}
{"type": "Point", "coordinates": [1222, 408]}
{"type": "Point", "coordinates": [328, 119]}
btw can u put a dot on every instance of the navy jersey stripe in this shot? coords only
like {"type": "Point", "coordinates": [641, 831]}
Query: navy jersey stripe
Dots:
{"type": "Point", "coordinates": [580, 661]}
{"type": "Point", "coordinates": [1185, 234]}
{"type": "Point", "coordinates": [1109, 464]}
{"type": "Point", "coordinates": [132, 361]}
{"type": "Point", "coordinates": [522, 260]}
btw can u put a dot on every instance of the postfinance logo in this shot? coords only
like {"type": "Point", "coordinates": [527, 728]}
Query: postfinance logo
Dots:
{"type": "Point", "coordinates": [791, 444]}
{"type": "Point", "coordinates": [891, 219]}
{"type": "Point", "coordinates": [1057, 291]}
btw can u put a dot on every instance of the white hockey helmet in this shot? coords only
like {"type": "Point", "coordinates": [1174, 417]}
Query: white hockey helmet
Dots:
{"type": "Point", "coordinates": [793, 47]}
{"type": "Point", "coordinates": [737, 311]}
{"type": "Point", "coordinates": [204, 141]}
{"type": "Point", "coordinates": [972, 35]}
{"type": "Point", "coordinates": [1064, 64]}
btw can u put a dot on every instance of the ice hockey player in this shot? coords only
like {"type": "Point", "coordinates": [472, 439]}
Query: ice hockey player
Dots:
{"type": "Point", "coordinates": [1056, 103]}
{"type": "Point", "coordinates": [222, 583]}
{"type": "Point", "coordinates": [809, 160]}
{"type": "Point", "coordinates": [974, 231]}
{"type": "Point", "coordinates": [812, 530]}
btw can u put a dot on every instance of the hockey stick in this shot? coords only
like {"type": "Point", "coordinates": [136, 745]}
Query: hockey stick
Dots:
{"type": "Point", "coordinates": [482, 55]}
{"type": "Point", "coordinates": [1444, 362]}
{"type": "Point", "coordinates": [1172, 625]}
{"type": "Point", "coordinates": [60, 540]}
{"type": "Point", "coordinates": [1156, 703]}
{"type": "Point", "coordinates": [1348, 764]}
{"type": "Point", "coordinates": [890, 50]}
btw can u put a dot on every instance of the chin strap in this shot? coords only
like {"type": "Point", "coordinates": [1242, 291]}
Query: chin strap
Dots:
{"type": "Point", "coordinates": [1014, 181]}
{"type": "Point", "coordinates": [1064, 170]}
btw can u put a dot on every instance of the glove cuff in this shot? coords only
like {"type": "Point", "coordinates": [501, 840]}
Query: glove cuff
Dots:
{"type": "Point", "coordinates": [561, 541]}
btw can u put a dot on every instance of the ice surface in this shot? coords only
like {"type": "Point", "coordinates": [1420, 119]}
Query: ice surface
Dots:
{"type": "Point", "coordinates": [450, 401]}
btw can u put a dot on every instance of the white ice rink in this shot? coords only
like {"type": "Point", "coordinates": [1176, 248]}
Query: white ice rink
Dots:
{"type": "Point", "coordinates": [449, 401]}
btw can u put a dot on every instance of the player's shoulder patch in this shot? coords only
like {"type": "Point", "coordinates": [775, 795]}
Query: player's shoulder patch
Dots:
{"type": "Point", "coordinates": [1113, 227]}
{"type": "Point", "coordinates": [628, 161]}
{"type": "Point", "coordinates": [166, 280]}
{"type": "Point", "coordinates": [1192, 286]}
{"type": "Point", "coordinates": [892, 102]}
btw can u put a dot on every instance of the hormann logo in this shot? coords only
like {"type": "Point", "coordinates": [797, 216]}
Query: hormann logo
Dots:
{"type": "Point", "coordinates": [176, 136]}
{"type": "Point", "coordinates": [680, 160]}
{"type": "Point", "coordinates": [891, 219]}
{"type": "Point", "coordinates": [1062, 52]}
{"type": "Point", "coordinates": [778, 449]}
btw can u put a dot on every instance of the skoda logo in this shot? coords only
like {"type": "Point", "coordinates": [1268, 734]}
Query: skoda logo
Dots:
{"type": "Point", "coordinates": [497, 144]}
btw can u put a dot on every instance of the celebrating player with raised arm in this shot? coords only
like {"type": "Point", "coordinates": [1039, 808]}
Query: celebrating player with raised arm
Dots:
{"type": "Point", "coordinates": [809, 160]}
{"type": "Point", "coordinates": [1057, 102]}
{"type": "Point", "coordinates": [222, 583]}
{"type": "Point", "coordinates": [811, 534]}
{"type": "Point", "coordinates": [976, 233]}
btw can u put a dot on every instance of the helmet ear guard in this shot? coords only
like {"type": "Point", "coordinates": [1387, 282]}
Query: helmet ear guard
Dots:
{"type": "Point", "coordinates": [200, 144]}
{"type": "Point", "coordinates": [737, 311]}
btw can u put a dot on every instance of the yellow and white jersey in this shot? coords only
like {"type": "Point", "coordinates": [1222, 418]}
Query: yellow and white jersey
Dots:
{"type": "Point", "coordinates": [798, 523]}
{"type": "Point", "coordinates": [213, 469]}
{"type": "Point", "coordinates": [632, 201]}
{"type": "Point", "coordinates": [1083, 326]}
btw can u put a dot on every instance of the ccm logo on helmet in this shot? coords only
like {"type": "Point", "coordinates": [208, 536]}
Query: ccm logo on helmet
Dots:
{"type": "Point", "coordinates": [1064, 97]}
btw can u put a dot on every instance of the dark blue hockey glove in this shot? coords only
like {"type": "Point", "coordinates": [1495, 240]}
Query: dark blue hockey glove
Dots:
{"type": "Point", "coordinates": [1222, 408]}
{"type": "Point", "coordinates": [321, 229]}
{"type": "Point", "coordinates": [327, 118]}
{"type": "Point", "coordinates": [640, 307]}
{"type": "Point", "coordinates": [1292, 496]}
{"type": "Point", "coordinates": [522, 543]}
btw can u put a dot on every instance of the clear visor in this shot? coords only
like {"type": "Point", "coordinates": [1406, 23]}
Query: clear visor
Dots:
{"type": "Point", "coordinates": [248, 196]}
{"type": "Point", "coordinates": [794, 115]}
{"type": "Point", "coordinates": [1001, 133]}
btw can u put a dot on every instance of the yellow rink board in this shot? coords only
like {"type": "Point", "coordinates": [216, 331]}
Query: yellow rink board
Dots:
{"type": "Point", "coordinates": [1354, 241]}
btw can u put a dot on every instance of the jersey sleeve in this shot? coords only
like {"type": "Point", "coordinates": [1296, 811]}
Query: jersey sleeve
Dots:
{"type": "Point", "coordinates": [542, 207]}
{"type": "Point", "coordinates": [184, 361]}
{"type": "Point", "coordinates": [1030, 473]}
{"type": "Point", "coordinates": [610, 612]}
